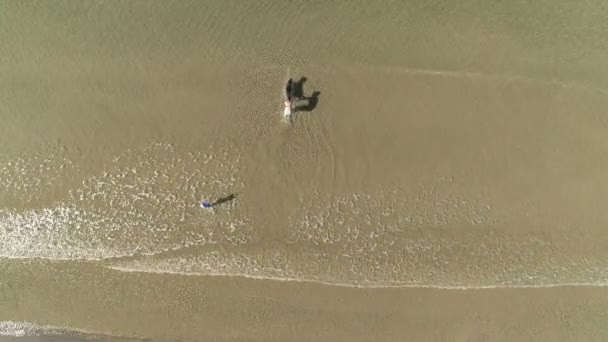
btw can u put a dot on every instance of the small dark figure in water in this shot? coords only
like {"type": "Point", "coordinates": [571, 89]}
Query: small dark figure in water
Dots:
{"type": "Point", "coordinates": [288, 89]}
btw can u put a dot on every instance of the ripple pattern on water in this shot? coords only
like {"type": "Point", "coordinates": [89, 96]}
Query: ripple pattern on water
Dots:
{"type": "Point", "coordinates": [146, 203]}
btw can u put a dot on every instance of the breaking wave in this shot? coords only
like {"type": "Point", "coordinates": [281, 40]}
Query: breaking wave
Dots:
{"type": "Point", "coordinates": [22, 329]}
{"type": "Point", "coordinates": [389, 240]}
{"type": "Point", "coordinates": [146, 203]}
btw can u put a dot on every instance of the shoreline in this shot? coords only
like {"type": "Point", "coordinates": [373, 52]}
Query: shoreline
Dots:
{"type": "Point", "coordinates": [459, 143]}
{"type": "Point", "coordinates": [346, 285]}
{"type": "Point", "coordinates": [271, 310]}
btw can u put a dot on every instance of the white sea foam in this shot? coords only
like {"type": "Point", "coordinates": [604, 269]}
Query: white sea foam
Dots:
{"type": "Point", "coordinates": [21, 328]}
{"type": "Point", "coordinates": [430, 236]}
{"type": "Point", "coordinates": [30, 329]}
{"type": "Point", "coordinates": [384, 214]}
{"type": "Point", "coordinates": [386, 240]}
{"type": "Point", "coordinates": [232, 266]}
{"type": "Point", "coordinates": [10, 328]}
{"type": "Point", "coordinates": [25, 178]}
{"type": "Point", "coordinates": [146, 204]}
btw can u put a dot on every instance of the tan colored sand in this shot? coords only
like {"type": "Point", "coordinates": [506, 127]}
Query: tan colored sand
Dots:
{"type": "Point", "coordinates": [229, 309]}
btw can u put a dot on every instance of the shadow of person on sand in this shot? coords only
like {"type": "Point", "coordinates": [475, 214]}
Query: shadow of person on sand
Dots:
{"type": "Point", "coordinates": [225, 199]}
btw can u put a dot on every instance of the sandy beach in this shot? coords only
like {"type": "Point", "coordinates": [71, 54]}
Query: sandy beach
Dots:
{"type": "Point", "coordinates": [446, 183]}
{"type": "Point", "coordinates": [172, 307]}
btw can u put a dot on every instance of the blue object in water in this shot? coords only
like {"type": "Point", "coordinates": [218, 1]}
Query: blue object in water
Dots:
{"type": "Point", "coordinates": [205, 204]}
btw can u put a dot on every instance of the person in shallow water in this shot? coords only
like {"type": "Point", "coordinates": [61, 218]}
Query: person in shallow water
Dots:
{"type": "Point", "coordinates": [206, 204]}
{"type": "Point", "coordinates": [288, 89]}
{"type": "Point", "coordinates": [287, 103]}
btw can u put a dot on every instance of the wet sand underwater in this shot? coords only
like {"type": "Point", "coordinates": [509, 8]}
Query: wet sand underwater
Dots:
{"type": "Point", "coordinates": [448, 184]}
